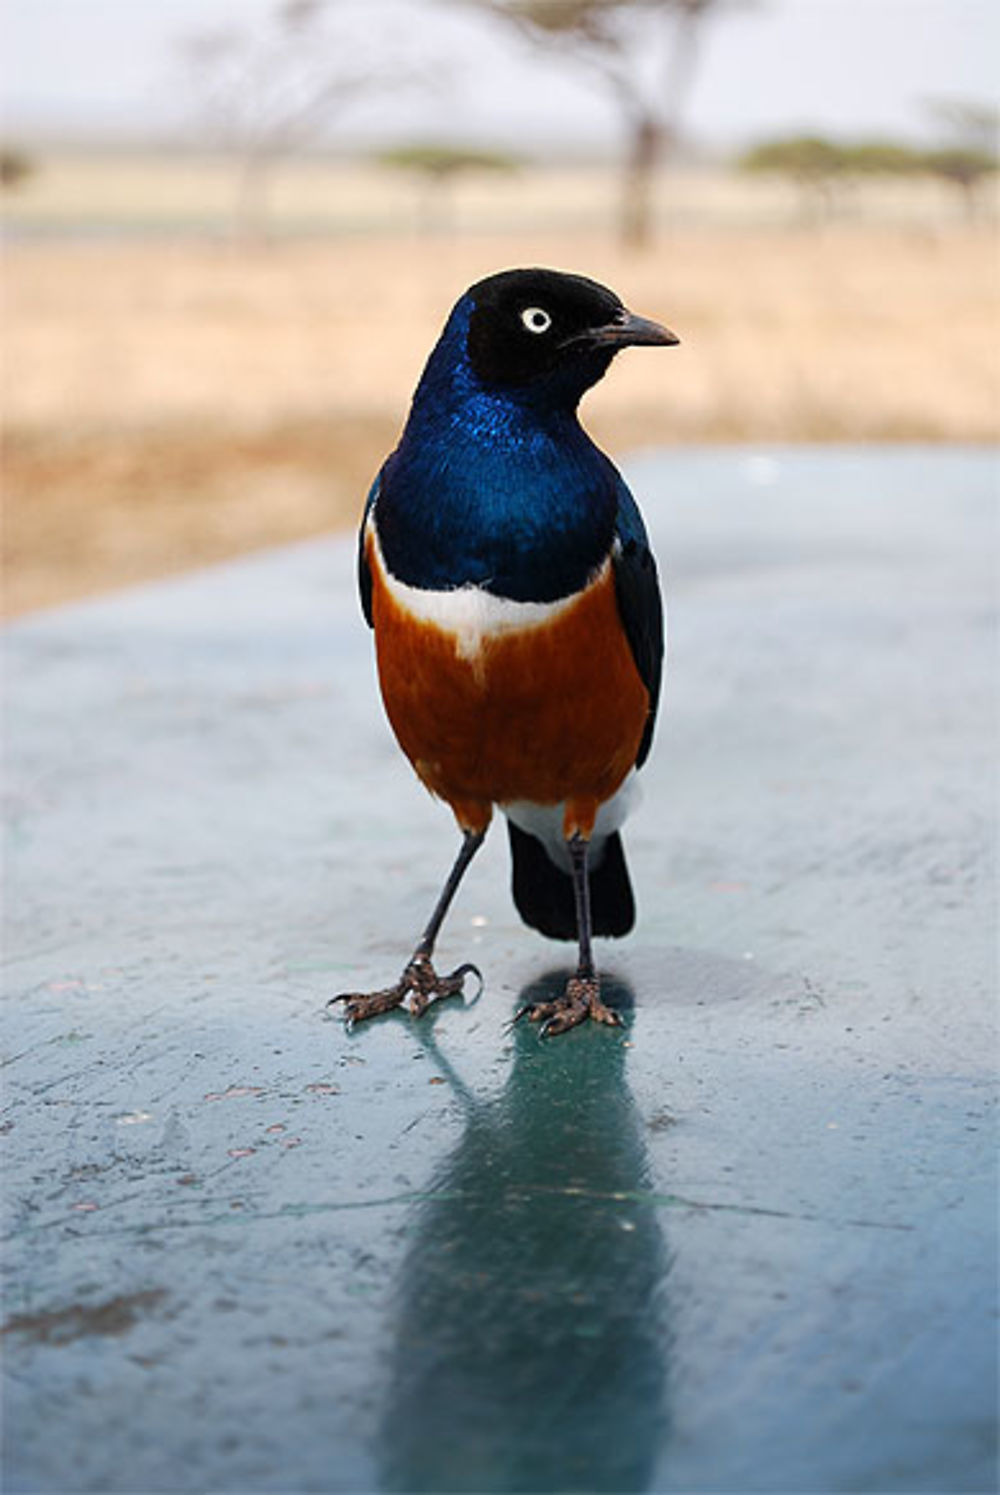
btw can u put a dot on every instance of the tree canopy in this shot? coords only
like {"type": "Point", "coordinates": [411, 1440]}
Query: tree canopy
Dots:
{"type": "Point", "coordinates": [439, 160]}
{"type": "Point", "coordinates": [819, 164]}
{"type": "Point", "coordinates": [644, 53]}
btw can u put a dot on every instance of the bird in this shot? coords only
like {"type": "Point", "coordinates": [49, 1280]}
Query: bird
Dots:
{"type": "Point", "coordinates": [506, 571]}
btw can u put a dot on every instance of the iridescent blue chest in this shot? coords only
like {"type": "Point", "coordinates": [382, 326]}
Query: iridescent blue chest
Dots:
{"type": "Point", "coordinates": [499, 488]}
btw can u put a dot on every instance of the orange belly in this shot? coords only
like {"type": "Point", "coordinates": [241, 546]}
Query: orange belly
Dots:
{"type": "Point", "coordinates": [550, 713]}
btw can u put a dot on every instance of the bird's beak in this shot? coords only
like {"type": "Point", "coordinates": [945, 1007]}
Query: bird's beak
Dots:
{"type": "Point", "coordinates": [628, 331]}
{"type": "Point", "coordinates": [631, 331]}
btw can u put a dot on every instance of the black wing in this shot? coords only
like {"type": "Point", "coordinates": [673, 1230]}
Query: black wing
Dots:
{"type": "Point", "coordinates": [638, 592]}
{"type": "Point", "coordinates": [364, 573]}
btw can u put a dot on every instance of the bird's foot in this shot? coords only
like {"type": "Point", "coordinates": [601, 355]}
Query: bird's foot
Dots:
{"type": "Point", "coordinates": [419, 981]}
{"type": "Point", "coordinates": [581, 1000]}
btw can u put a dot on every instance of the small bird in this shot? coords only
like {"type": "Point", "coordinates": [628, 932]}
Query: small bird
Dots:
{"type": "Point", "coordinates": [505, 569]}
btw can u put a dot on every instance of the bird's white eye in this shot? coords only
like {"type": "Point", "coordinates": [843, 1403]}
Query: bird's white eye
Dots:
{"type": "Point", "coordinates": [536, 319]}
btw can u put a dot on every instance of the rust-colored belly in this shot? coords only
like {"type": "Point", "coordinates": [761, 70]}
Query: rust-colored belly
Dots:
{"type": "Point", "coordinates": [550, 713]}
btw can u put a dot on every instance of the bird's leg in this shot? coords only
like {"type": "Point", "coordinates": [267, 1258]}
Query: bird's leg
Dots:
{"type": "Point", "coordinates": [582, 997]}
{"type": "Point", "coordinates": [419, 980]}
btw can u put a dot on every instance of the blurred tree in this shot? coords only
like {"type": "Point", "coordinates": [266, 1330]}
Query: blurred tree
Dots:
{"type": "Point", "coordinates": [821, 167]}
{"type": "Point", "coordinates": [881, 158]}
{"type": "Point", "coordinates": [967, 122]}
{"type": "Point", "coordinates": [968, 155]}
{"type": "Point", "coordinates": [264, 93]}
{"type": "Point", "coordinates": [16, 166]}
{"type": "Point", "coordinates": [440, 166]}
{"type": "Point", "coordinates": [963, 168]}
{"type": "Point", "coordinates": [645, 53]}
{"type": "Point", "coordinates": [816, 166]}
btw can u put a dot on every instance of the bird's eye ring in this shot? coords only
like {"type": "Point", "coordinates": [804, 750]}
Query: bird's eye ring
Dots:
{"type": "Point", "coordinates": [536, 319]}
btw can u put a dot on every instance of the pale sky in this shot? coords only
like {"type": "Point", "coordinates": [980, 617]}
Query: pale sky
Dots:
{"type": "Point", "coordinates": [91, 67]}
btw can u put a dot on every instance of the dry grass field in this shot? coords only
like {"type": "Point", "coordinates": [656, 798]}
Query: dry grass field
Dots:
{"type": "Point", "coordinates": [174, 400]}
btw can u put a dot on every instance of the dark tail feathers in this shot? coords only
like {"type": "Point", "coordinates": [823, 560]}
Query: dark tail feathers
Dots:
{"type": "Point", "coordinates": [543, 893]}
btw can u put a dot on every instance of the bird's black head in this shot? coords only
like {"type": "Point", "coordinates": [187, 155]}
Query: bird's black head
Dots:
{"type": "Point", "coordinates": [527, 325]}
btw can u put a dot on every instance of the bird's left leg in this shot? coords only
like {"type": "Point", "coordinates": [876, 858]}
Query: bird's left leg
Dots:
{"type": "Point", "coordinates": [419, 981]}
{"type": "Point", "coordinates": [582, 997]}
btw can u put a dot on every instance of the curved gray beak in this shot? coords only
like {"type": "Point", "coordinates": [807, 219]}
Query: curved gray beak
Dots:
{"type": "Point", "coordinates": [627, 331]}
{"type": "Point", "coordinates": [636, 331]}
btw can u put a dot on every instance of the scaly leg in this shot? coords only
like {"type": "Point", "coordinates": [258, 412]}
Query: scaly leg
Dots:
{"type": "Point", "coordinates": [582, 997]}
{"type": "Point", "coordinates": [419, 980]}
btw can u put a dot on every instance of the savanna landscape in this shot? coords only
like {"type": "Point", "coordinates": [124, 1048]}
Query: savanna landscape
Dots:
{"type": "Point", "coordinates": [176, 393]}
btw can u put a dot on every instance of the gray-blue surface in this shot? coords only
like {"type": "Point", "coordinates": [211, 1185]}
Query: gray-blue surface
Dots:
{"type": "Point", "coordinates": [747, 1245]}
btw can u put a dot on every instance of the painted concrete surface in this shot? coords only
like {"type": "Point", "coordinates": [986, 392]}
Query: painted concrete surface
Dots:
{"type": "Point", "coordinates": [745, 1245]}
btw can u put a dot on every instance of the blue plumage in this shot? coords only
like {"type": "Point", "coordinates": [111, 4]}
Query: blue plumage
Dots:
{"type": "Point", "coordinates": [497, 487]}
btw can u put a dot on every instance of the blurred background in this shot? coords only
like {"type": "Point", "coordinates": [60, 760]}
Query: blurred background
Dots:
{"type": "Point", "coordinates": [233, 228]}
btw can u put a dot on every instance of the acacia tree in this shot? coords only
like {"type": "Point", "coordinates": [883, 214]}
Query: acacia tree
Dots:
{"type": "Point", "coordinates": [644, 53]}
{"type": "Point", "coordinates": [815, 165]}
{"type": "Point", "coordinates": [968, 154]}
{"type": "Point", "coordinates": [16, 166]}
{"type": "Point", "coordinates": [266, 91]}
{"type": "Point", "coordinates": [965, 169]}
{"type": "Point", "coordinates": [440, 166]}
{"type": "Point", "coordinates": [821, 169]}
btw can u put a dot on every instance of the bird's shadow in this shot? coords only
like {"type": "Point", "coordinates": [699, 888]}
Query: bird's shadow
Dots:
{"type": "Point", "coordinates": [529, 1313]}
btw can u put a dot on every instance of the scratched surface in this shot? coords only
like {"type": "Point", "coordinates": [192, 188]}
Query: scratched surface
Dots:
{"type": "Point", "coordinates": [746, 1245]}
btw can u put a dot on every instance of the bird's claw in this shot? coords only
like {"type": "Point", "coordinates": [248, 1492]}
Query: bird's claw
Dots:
{"type": "Point", "coordinates": [419, 981]}
{"type": "Point", "coordinates": [581, 1000]}
{"type": "Point", "coordinates": [425, 985]}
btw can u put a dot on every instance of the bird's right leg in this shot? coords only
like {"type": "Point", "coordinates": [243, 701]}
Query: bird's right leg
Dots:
{"type": "Point", "coordinates": [420, 981]}
{"type": "Point", "coordinates": [582, 998]}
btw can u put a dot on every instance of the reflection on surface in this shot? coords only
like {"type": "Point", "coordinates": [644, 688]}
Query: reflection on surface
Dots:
{"type": "Point", "coordinates": [530, 1325]}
